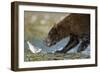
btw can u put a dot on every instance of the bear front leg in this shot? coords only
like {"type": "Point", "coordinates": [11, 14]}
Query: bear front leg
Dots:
{"type": "Point", "coordinates": [72, 43]}
{"type": "Point", "coordinates": [83, 45]}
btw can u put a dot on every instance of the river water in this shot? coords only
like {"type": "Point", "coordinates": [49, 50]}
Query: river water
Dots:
{"type": "Point", "coordinates": [41, 44]}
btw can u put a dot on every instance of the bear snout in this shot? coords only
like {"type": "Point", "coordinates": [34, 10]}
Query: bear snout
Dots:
{"type": "Point", "coordinates": [48, 42]}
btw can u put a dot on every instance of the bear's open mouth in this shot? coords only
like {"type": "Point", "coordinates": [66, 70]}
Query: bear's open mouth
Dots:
{"type": "Point", "coordinates": [49, 43]}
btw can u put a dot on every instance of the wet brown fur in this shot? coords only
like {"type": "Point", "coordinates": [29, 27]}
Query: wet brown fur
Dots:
{"type": "Point", "coordinates": [74, 24]}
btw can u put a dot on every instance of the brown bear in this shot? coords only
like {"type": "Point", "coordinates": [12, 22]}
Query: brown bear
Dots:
{"type": "Point", "coordinates": [75, 26]}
